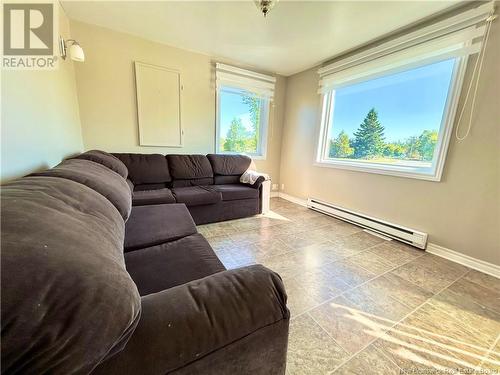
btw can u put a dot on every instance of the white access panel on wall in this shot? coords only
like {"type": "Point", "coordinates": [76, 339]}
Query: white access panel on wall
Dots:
{"type": "Point", "coordinates": [158, 105]}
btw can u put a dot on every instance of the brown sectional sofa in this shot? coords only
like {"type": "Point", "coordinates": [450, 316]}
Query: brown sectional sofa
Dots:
{"type": "Point", "coordinates": [93, 284]}
{"type": "Point", "coordinates": [208, 185]}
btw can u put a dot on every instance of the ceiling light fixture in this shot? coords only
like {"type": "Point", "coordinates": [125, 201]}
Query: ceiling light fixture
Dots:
{"type": "Point", "coordinates": [74, 51]}
{"type": "Point", "coordinates": [265, 5]}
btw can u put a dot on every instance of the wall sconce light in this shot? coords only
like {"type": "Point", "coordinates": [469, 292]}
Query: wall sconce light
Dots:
{"type": "Point", "coordinates": [71, 48]}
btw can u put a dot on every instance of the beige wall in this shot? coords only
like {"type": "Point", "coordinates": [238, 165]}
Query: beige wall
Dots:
{"type": "Point", "coordinates": [106, 92]}
{"type": "Point", "coordinates": [40, 121]}
{"type": "Point", "coordinates": [461, 212]}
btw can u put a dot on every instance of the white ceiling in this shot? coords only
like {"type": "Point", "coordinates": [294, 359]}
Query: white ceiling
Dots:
{"type": "Point", "coordinates": [295, 36]}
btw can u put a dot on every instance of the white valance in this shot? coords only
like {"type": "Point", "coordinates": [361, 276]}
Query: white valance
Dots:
{"type": "Point", "coordinates": [459, 35]}
{"type": "Point", "coordinates": [242, 79]}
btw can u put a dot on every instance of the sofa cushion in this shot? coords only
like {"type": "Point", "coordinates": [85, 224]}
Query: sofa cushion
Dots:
{"type": "Point", "coordinates": [155, 224]}
{"type": "Point", "coordinates": [196, 195]}
{"type": "Point", "coordinates": [193, 182]}
{"type": "Point", "coordinates": [229, 165]}
{"type": "Point", "coordinates": [97, 177]}
{"type": "Point", "coordinates": [172, 263]}
{"type": "Point", "coordinates": [105, 159]}
{"type": "Point", "coordinates": [67, 301]}
{"type": "Point", "coordinates": [231, 192]}
{"type": "Point", "coordinates": [221, 180]}
{"type": "Point", "coordinates": [146, 168]}
{"type": "Point", "coordinates": [141, 187]}
{"type": "Point", "coordinates": [190, 170]}
{"type": "Point", "coordinates": [157, 196]}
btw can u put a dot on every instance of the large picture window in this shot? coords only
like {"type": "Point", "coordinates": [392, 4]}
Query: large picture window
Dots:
{"type": "Point", "coordinates": [242, 122]}
{"type": "Point", "coordinates": [395, 122]}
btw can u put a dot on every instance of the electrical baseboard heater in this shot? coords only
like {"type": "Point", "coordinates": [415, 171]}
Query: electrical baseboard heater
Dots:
{"type": "Point", "coordinates": [397, 232]}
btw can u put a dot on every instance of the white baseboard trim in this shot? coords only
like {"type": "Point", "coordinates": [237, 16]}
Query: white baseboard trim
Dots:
{"type": "Point", "coordinates": [465, 260]}
{"type": "Point", "coordinates": [299, 201]}
{"type": "Point", "coordinates": [275, 194]}
{"type": "Point", "coordinates": [432, 248]}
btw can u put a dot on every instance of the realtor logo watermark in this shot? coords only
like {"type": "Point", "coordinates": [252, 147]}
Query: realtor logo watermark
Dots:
{"type": "Point", "coordinates": [29, 35]}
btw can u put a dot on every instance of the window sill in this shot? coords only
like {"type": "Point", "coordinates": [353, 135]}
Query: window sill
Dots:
{"type": "Point", "coordinates": [396, 171]}
{"type": "Point", "coordinates": [257, 157]}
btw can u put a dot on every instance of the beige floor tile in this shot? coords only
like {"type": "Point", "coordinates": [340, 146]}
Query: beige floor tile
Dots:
{"type": "Point", "coordinates": [484, 296]}
{"type": "Point", "coordinates": [348, 272]}
{"type": "Point", "coordinates": [341, 228]}
{"type": "Point", "coordinates": [458, 338]}
{"type": "Point", "coordinates": [465, 310]}
{"type": "Point", "coordinates": [297, 241]}
{"type": "Point", "coordinates": [291, 211]}
{"type": "Point", "coordinates": [317, 279]}
{"type": "Point", "coordinates": [310, 289]}
{"type": "Point", "coordinates": [339, 248]}
{"type": "Point", "coordinates": [245, 237]}
{"type": "Point", "coordinates": [215, 232]}
{"type": "Point", "coordinates": [430, 272]}
{"type": "Point", "coordinates": [297, 261]}
{"type": "Point", "coordinates": [396, 254]}
{"type": "Point", "coordinates": [287, 265]}
{"type": "Point", "coordinates": [350, 326]}
{"type": "Point", "coordinates": [361, 240]}
{"type": "Point", "coordinates": [317, 255]}
{"type": "Point", "coordinates": [390, 285]}
{"type": "Point", "coordinates": [445, 265]}
{"type": "Point", "coordinates": [300, 300]}
{"type": "Point", "coordinates": [492, 361]}
{"type": "Point", "coordinates": [311, 350]}
{"type": "Point", "coordinates": [372, 262]}
{"type": "Point", "coordinates": [369, 361]}
{"type": "Point", "coordinates": [286, 228]}
{"type": "Point", "coordinates": [486, 281]}
{"type": "Point", "coordinates": [416, 353]}
{"type": "Point", "coordinates": [430, 339]}
{"type": "Point", "coordinates": [385, 307]}
{"type": "Point", "coordinates": [272, 247]}
{"type": "Point", "coordinates": [318, 235]}
{"type": "Point", "coordinates": [220, 242]}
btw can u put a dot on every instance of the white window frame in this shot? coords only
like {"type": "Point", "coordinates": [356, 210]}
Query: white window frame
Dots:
{"type": "Point", "coordinates": [261, 153]}
{"type": "Point", "coordinates": [431, 174]}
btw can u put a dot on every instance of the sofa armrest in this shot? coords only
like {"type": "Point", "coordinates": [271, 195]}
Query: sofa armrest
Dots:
{"type": "Point", "coordinates": [186, 323]}
{"type": "Point", "coordinates": [248, 176]}
{"type": "Point", "coordinates": [260, 180]}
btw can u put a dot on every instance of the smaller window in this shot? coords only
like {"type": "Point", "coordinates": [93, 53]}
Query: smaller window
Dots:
{"type": "Point", "coordinates": [242, 122]}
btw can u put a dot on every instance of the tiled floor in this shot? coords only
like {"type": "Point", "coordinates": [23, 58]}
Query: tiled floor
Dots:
{"type": "Point", "coordinates": [363, 305]}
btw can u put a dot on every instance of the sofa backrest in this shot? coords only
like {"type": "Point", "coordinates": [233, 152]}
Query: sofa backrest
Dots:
{"type": "Point", "coordinates": [67, 300]}
{"type": "Point", "coordinates": [97, 177]}
{"type": "Point", "coordinates": [106, 159]}
{"type": "Point", "coordinates": [146, 171]}
{"type": "Point", "coordinates": [228, 168]}
{"type": "Point", "coordinates": [190, 170]}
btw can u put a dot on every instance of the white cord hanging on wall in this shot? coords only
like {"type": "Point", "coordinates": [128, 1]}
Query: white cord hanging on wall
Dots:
{"type": "Point", "coordinates": [477, 68]}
